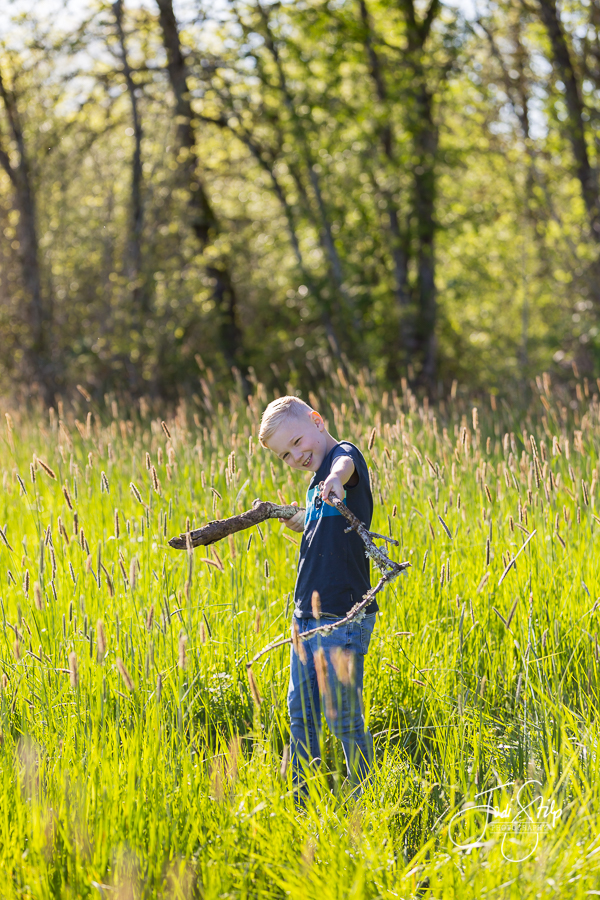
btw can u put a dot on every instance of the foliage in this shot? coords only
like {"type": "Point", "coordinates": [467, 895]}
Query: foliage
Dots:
{"type": "Point", "coordinates": [132, 757]}
{"type": "Point", "coordinates": [392, 184]}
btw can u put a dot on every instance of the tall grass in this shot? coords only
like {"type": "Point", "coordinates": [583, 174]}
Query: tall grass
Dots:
{"type": "Point", "coordinates": [134, 760]}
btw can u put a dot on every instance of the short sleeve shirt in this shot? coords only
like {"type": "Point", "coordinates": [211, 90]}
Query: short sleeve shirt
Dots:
{"type": "Point", "coordinates": [332, 562]}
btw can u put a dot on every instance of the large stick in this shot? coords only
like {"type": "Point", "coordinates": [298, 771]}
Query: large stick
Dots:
{"type": "Point", "coordinates": [263, 510]}
{"type": "Point", "coordinates": [390, 571]}
{"type": "Point", "coordinates": [216, 531]}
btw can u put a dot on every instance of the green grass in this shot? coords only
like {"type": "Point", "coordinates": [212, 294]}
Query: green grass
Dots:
{"type": "Point", "coordinates": [142, 768]}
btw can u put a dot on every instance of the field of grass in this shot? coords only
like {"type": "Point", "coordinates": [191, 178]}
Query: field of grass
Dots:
{"type": "Point", "coordinates": [133, 759]}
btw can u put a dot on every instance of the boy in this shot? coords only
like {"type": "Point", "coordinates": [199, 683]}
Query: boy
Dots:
{"type": "Point", "coordinates": [334, 565]}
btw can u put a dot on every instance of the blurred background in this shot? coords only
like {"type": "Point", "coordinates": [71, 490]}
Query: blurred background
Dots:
{"type": "Point", "coordinates": [265, 189]}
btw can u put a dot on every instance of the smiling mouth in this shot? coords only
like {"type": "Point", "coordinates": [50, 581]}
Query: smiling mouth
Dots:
{"type": "Point", "coordinates": [306, 463]}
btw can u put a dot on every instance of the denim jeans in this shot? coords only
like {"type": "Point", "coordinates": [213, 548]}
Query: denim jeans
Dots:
{"type": "Point", "coordinates": [331, 678]}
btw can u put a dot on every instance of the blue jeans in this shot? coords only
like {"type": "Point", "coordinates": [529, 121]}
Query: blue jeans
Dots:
{"type": "Point", "coordinates": [331, 676]}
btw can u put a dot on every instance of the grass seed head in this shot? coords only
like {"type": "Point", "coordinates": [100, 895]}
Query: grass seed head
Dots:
{"type": "Point", "coordinates": [343, 664]}
{"type": "Point", "coordinates": [45, 467]}
{"type": "Point", "coordinates": [127, 679]}
{"type": "Point", "coordinates": [155, 481]}
{"type": "Point", "coordinates": [37, 596]}
{"type": "Point", "coordinates": [316, 605]}
{"type": "Point", "coordinates": [67, 496]}
{"type": "Point", "coordinates": [100, 640]}
{"type": "Point", "coordinates": [297, 643]}
{"type": "Point", "coordinates": [4, 540]}
{"type": "Point", "coordinates": [285, 761]}
{"type": "Point", "coordinates": [135, 492]}
{"type": "Point", "coordinates": [254, 688]}
{"type": "Point", "coordinates": [73, 669]}
{"type": "Point", "coordinates": [181, 656]}
{"type": "Point", "coordinates": [323, 681]}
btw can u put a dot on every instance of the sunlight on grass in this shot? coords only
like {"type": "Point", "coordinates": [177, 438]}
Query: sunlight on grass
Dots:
{"type": "Point", "coordinates": [133, 760]}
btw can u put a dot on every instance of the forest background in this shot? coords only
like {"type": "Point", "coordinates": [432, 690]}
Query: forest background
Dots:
{"type": "Point", "coordinates": [255, 188]}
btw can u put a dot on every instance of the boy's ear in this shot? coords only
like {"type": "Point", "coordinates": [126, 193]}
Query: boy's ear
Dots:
{"type": "Point", "coordinates": [317, 418]}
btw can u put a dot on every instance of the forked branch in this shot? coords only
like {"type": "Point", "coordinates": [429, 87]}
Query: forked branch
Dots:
{"type": "Point", "coordinates": [390, 570]}
{"type": "Point", "coordinates": [263, 510]}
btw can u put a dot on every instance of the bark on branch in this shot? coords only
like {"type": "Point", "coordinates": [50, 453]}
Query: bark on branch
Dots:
{"type": "Point", "coordinates": [216, 531]}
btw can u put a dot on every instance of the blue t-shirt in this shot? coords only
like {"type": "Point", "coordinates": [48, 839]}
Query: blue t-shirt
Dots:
{"type": "Point", "coordinates": [331, 562]}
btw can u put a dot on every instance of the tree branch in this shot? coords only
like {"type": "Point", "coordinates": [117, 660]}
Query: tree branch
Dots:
{"type": "Point", "coordinates": [216, 531]}
{"type": "Point", "coordinates": [390, 571]}
{"type": "Point", "coordinates": [264, 509]}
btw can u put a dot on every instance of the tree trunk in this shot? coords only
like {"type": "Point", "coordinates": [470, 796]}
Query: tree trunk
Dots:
{"type": "Point", "coordinates": [39, 366]}
{"type": "Point", "coordinates": [398, 241]}
{"type": "Point", "coordinates": [134, 249]}
{"type": "Point", "coordinates": [426, 142]}
{"type": "Point", "coordinates": [204, 220]}
{"type": "Point", "coordinates": [576, 122]}
{"type": "Point", "coordinates": [425, 135]}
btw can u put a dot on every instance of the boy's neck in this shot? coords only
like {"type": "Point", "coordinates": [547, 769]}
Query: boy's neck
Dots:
{"type": "Point", "coordinates": [331, 443]}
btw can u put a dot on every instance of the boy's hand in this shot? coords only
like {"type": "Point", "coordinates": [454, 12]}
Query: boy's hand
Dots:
{"type": "Point", "coordinates": [296, 523]}
{"type": "Point", "coordinates": [332, 485]}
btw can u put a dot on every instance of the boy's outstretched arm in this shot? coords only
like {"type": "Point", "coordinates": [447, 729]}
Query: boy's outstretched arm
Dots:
{"type": "Point", "coordinates": [342, 472]}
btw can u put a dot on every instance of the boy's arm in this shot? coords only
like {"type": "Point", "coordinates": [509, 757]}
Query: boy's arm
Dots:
{"type": "Point", "coordinates": [342, 472]}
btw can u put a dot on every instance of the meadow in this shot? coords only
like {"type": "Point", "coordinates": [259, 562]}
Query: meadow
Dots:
{"type": "Point", "coordinates": [136, 762]}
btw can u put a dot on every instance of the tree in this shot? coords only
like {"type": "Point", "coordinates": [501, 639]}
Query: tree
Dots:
{"type": "Point", "coordinates": [15, 160]}
{"type": "Point", "coordinates": [204, 219]}
{"type": "Point", "coordinates": [134, 254]}
{"type": "Point", "coordinates": [578, 127]}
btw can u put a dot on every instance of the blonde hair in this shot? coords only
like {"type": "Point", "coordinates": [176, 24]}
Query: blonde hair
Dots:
{"type": "Point", "coordinates": [277, 412]}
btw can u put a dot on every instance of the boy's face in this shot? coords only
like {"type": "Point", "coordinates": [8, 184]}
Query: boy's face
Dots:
{"type": "Point", "coordinates": [300, 441]}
